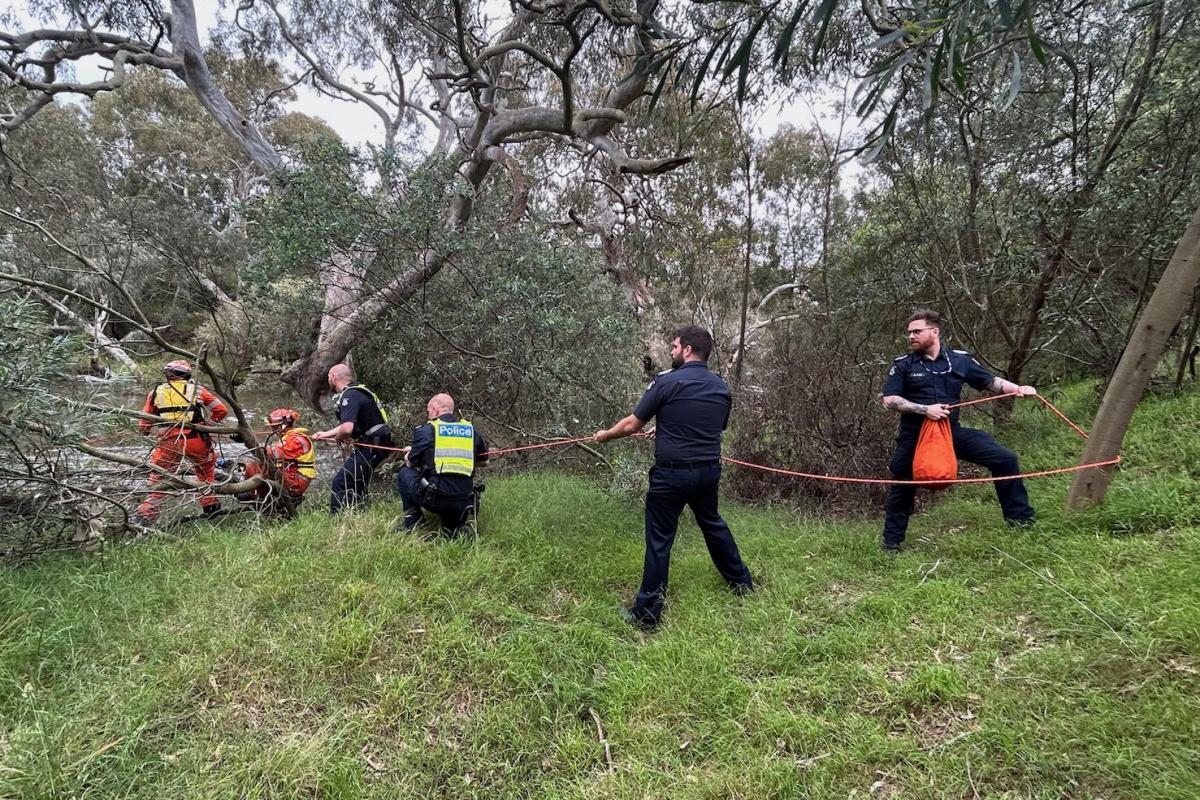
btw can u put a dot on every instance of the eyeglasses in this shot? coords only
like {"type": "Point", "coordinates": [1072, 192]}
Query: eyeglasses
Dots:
{"type": "Point", "coordinates": [919, 331]}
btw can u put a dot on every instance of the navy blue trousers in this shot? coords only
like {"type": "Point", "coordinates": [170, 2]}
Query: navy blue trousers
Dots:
{"type": "Point", "coordinates": [978, 447]}
{"type": "Point", "coordinates": [353, 478]}
{"type": "Point", "coordinates": [671, 488]}
{"type": "Point", "coordinates": [453, 510]}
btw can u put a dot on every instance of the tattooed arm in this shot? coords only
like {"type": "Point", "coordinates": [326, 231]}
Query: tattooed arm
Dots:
{"type": "Point", "coordinates": [899, 404]}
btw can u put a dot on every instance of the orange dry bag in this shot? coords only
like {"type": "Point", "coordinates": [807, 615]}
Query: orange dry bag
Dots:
{"type": "Point", "coordinates": [935, 459]}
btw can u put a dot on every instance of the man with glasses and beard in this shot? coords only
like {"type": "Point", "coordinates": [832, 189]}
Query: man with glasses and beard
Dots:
{"type": "Point", "coordinates": [919, 386]}
{"type": "Point", "coordinates": [692, 408]}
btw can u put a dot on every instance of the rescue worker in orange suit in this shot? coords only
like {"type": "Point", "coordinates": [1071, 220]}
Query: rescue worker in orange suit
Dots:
{"type": "Point", "coordinates": [183, 402]}
{"type": "Point", "coordinates": [289, 458]}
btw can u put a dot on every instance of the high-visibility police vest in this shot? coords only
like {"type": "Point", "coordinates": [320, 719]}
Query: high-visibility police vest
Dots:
{"type": "Point", "coordinates": [382, 411]}
{"type": "Point", "coordinates": [306, 462]}
{"type": "Point", "coordinates": [453, 447]}
{"type": "Point", "coordinates": [178, 401]}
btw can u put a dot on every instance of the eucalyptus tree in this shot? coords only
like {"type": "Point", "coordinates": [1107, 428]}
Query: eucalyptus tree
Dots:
{"type": "Point", "coordinates": [477, 93]}
{"type": "Point", "coordinates": [479, 88]}
{"type": "Point", "coordinates": [144, 181]}
{"type": "Point", "coordinates": [975, 53]}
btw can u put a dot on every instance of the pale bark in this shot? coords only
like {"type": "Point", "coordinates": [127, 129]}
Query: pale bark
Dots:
{"type": "Point", "coordinates": [1136, 367]}
{"type": "Point", "coordinates": [171, 479]}
{"type": "Point", "coordinates": [481, 139]}
{"type": "Point", "coordinates": [193, 69]}
{"type": "Point", "coordinates": [94, 329]}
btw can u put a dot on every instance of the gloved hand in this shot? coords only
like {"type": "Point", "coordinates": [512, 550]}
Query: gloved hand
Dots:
{"type": "Point", "coordinates": [237, 437]}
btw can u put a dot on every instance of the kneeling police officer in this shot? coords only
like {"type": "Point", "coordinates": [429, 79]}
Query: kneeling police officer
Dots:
{"type": "Point", "coordinates": [439, 470]}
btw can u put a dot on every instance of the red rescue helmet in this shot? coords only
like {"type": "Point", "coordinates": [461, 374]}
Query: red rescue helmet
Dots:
{"type": "Point", "coordinates": [178, 367]}
{"type": "Point", "coordinates": [282, 416]}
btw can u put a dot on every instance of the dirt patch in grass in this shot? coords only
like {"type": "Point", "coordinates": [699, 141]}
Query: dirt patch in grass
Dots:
{"type": "Point", "coordinates": [940, 727]}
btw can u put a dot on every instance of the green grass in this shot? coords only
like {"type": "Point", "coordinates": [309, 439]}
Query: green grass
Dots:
{"type": "Point", "coordinates": [336, 659]}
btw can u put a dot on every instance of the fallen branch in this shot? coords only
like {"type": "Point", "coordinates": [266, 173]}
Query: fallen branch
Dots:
{"type": "Point", "coordinates": [248, 485]}
{"type": "Point", "coordinates": [195, 426]}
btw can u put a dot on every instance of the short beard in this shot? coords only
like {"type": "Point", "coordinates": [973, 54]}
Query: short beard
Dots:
{"type": "Point", "coordinates": [676, 362]}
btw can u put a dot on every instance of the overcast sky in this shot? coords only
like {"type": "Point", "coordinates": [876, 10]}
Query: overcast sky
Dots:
{"type": "Point", "coordinates": [357, 124]}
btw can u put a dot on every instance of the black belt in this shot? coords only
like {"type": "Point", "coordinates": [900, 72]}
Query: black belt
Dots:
{"type": "Point", "coordinates": [668, 464]}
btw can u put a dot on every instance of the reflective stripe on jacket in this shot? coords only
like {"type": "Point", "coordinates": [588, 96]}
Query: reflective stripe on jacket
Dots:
{"type": "Point", "coordinates": [453, 447]}
{"type": "Point", "coordinates": [177, 401]}
{"type": "Point", "coordinates": [295, 448]}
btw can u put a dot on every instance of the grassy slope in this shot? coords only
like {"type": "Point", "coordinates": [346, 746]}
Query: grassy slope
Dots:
{"type": "Point", "coordinates": [323, 659]}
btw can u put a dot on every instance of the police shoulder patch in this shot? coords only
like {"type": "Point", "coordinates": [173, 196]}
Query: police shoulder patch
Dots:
{"type": "Point", "coordinates": [965, 353]}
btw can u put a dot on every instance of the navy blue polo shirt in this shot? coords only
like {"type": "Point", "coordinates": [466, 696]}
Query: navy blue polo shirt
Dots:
{"type": "Point", "coordinates": [692, 406]}
{"type": "Point", "coordinates": [358, 407]}
{"type": "Point", "coordinates": [919, 379]}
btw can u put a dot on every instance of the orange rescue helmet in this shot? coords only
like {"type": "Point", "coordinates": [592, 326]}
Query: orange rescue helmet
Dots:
{"type": "Point", "coordinates": [283, 416]}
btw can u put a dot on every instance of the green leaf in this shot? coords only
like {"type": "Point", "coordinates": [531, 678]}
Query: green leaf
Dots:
{"type": "Point", "coordinates": [938, 62]}
{"type": "Point", "coordinates": [658, 89]}
{"type": "Point", "coordinates": [958, 68]}
{"type": "Point", "coordinates": [823, 15]}
{"type": "Point", "coordinates": [724, 55]}
{"type": "Point", "coordinates": [1035, 43]}
{"type": "Point", "coordinates": [882, 81]}
{"type": "Point", "coordinates": [783, 45]}
{"type": "Point", "coordinates": [886, 39]}
{"type": "Point", "coordinates": [1014, 82]}
{"type": "Point", "coordinates": [1006, 14]}
{"type": "Point", "coordinates": [658, 63]}
{"type": "Point", "coordinates": [741, 57]}
{"type": "Point", "coordinates": [878, 83]}
{"type": "Point", "coordinates": [879, 142]}
{"type": "Point", "coordinates": [702, 72]}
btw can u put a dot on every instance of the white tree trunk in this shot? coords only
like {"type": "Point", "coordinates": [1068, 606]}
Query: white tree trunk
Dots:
{"type": "Point", "coordinates": [95, 330]}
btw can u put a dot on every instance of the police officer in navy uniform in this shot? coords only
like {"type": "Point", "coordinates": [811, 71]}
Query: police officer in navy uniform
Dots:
{"type": "Point", "coordinates": [439, 470]}
{"type": "Point", "coordinates": [919, 386]}
{"type": "Point", "coordinates": [692, 408]}
{"type": "Point", "coordinates": [362, 421]}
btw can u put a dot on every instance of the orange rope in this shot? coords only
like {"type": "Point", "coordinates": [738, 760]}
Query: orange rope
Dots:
{"type": "Point", "coordinates": [1046, 402]}
{"type": "Point", "coordinates": [987, 399]}
{"type": "Point", "coordinates": [941, 482]}
{"type": "Point", "coordinates": [1062, 416]}
{"type": "Point", "coordinates": [501, 452]}
{"type": "Point", "coordinates": [835, 478]}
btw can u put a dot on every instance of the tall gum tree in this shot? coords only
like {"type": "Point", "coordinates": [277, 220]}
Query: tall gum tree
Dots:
{"type": "Point", "coordinates": [483, 89]}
